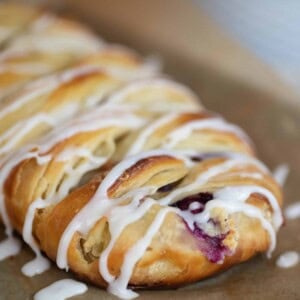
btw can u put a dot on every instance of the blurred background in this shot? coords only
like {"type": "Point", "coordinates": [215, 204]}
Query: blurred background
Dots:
{"type": "Point", "coordinates": [269, 28]}
{"type": "Point", "coordinates": [254, 42]}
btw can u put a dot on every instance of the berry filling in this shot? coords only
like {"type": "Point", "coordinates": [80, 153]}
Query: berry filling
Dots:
{"type": "Point", "coordinates": [201, 199]}
{"type": "Point", "coordinates": [211, 246]}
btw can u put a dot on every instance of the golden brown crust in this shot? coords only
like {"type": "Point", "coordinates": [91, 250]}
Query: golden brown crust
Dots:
{"type": "Point", "coordinates": [173, 252]}
{"type": "Point", "coordinates": [69, 161]}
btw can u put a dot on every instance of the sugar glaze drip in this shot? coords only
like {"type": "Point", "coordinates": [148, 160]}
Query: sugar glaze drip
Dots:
{"type": "Point", "coordinates": [288, 259]}
{"type": "Point", "coordinates": [110, 208]}
{"type": "Point", "coordinates": [179, 133]}
{"type": "Point", "coordinates": [212, 123]}
{"type": "Point", "coordinates": [92, 211]}
{"type": "Point", "coordinates": [156, 84]}
{"type": "Point", "coordinates": [281, 173]}
{"type": "Point", "coordinates": [62, 289]}
{"type": "Point", "coordinates": [11, 246]}
{"type": "Point", "coordinates": [293, 211]}
{"type": "Point", "coordinates": [101, 119]}
{"type": "Point", "coordinates": [39, 264]}
{"type": "Point", "coordinates": [231, 198]}
{"type": "Point", "coordinates": [112, 211]}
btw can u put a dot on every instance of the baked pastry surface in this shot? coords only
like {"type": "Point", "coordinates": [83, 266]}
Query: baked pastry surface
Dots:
{"type": "Point", "coordinates": [118, 173]}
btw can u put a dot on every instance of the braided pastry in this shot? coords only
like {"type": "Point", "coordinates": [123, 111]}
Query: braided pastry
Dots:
{"type": "Point", "coordinates": [14, 18]}
{"type": "Point", "coordinates": [121, 176]}
{"type": "Point", "coordinates": [46, 44]}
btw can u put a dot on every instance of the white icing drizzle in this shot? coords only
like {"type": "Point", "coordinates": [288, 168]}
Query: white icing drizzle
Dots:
{"type": "Point", "coordinates": [148, 131]}
{"type": "Point", "coordinates": [194, 205]}
{"type": "Point", "coordinates": [56, 44]}
{"type": "Point", "coordinates": [11, 137]}
{"type": "Point", "coordinates": [47, 84]}
{"type": "Point", "coordinates": [254, 175]}
{"type": "Point", "coordinates": [117, 223]}
{"type": "Point", "coordinates": [39, 88]}
{"type": "Point", "coordinates": [281, 173]}
{"type": "Point", "coordinates": [68, 153]}
{"type": "Point", "coordinates": [118, 287]}
{"type": "Point", "coordinates": [6, 166]}
{"type": "Point", "coordinates": [293, 211]}
{"type": "Point", "coordinates": [91, 121]}
{"type": "Point", "coordinates": [31, 92]}
{"type": "Point", "coordinates": [39, 264]}
{"type": "Point", "coordinates": [43, 22]}
{"type": "Point", "coordinates": [148, 68]}
{"type": "Point", "coordinates": [11, 246]}
{"type": "Point", "coordinates": [75, 174]}
{"type": "Point", "coordinates": [243, 192]}
{"type": "Point", "coordinates": [183, 131]}
{"type": "Point", "coordinates": [218, 124]}
{"type": "Point", "coordinates": [238, 206]}
{"type": "Point", "coordinates": [45, 37]}
{"type": "Point", "coordinates": [288, 259]}
{"type": "Point", "coordinates": [100, 204]}
{"type": "Point", "coordinates": [43, 86]}
{"type": "Point", "coordinates": [232, 196]}
{"type": "Point", "coordinates": [94, 120]}
{"type": "Point", "coordinates": [61, 290]}
{"type": "Point", "coordinates": [156, 84]}
{"type": "Point", "coordinates": [210, 173]}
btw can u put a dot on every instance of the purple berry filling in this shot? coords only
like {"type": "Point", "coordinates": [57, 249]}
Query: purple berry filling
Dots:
{"type": "Point", "coordinates": [211, 246]}
{"type": "Point", "coordinates": [201, 198]}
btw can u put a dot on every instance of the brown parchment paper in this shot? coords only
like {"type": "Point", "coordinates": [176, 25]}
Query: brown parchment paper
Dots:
{"type": "Point", "coordinates": [230, 81]}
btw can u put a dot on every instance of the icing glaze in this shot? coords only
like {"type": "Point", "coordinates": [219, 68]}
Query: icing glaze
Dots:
{"type": "Point", "coordinates": [281, 173]}
{"type": "Point", "coordinates": [232, 196]}
{"type": "Point", "coordinates": [293, 211]}
{"type": "Point", "coordinates": [141, 140]}
{"type": "Point", "coordinates": [183, 131]}
{"type": "Point", "coordinates": [11, 137]}
{"type": "Point", "coordinates": [39, 264]}
{"type": "Point", "coordinates": [62, 289]}
{"type": "Point", "coordinates": [11, 246]}
{"type": "Point", "coordinates": [210, 173]}
{"type": "Point", "coordinates": [288, 259]}
{"type": "Point", "coordinates": [156, 84]}
{"type": "Point", "coordinates": [100, 204]}
{"type": "Point", "coordinates": [117, 224]}
{"type": "Point", "coordinates": [118, 287]}
{"type": "Point", "coordinates": [214, 123]}
{"type": "Point", "coordinates": [6, 166]}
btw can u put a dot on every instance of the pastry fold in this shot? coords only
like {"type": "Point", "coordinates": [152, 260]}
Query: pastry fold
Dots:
{"type": "Point", "coordinates": [37, 43]}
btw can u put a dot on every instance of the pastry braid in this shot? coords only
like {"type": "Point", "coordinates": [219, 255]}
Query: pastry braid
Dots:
{"type": "Point", "coordinates": [36, 43]}
{"type": "Point", "coordinates": [120, 175]}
